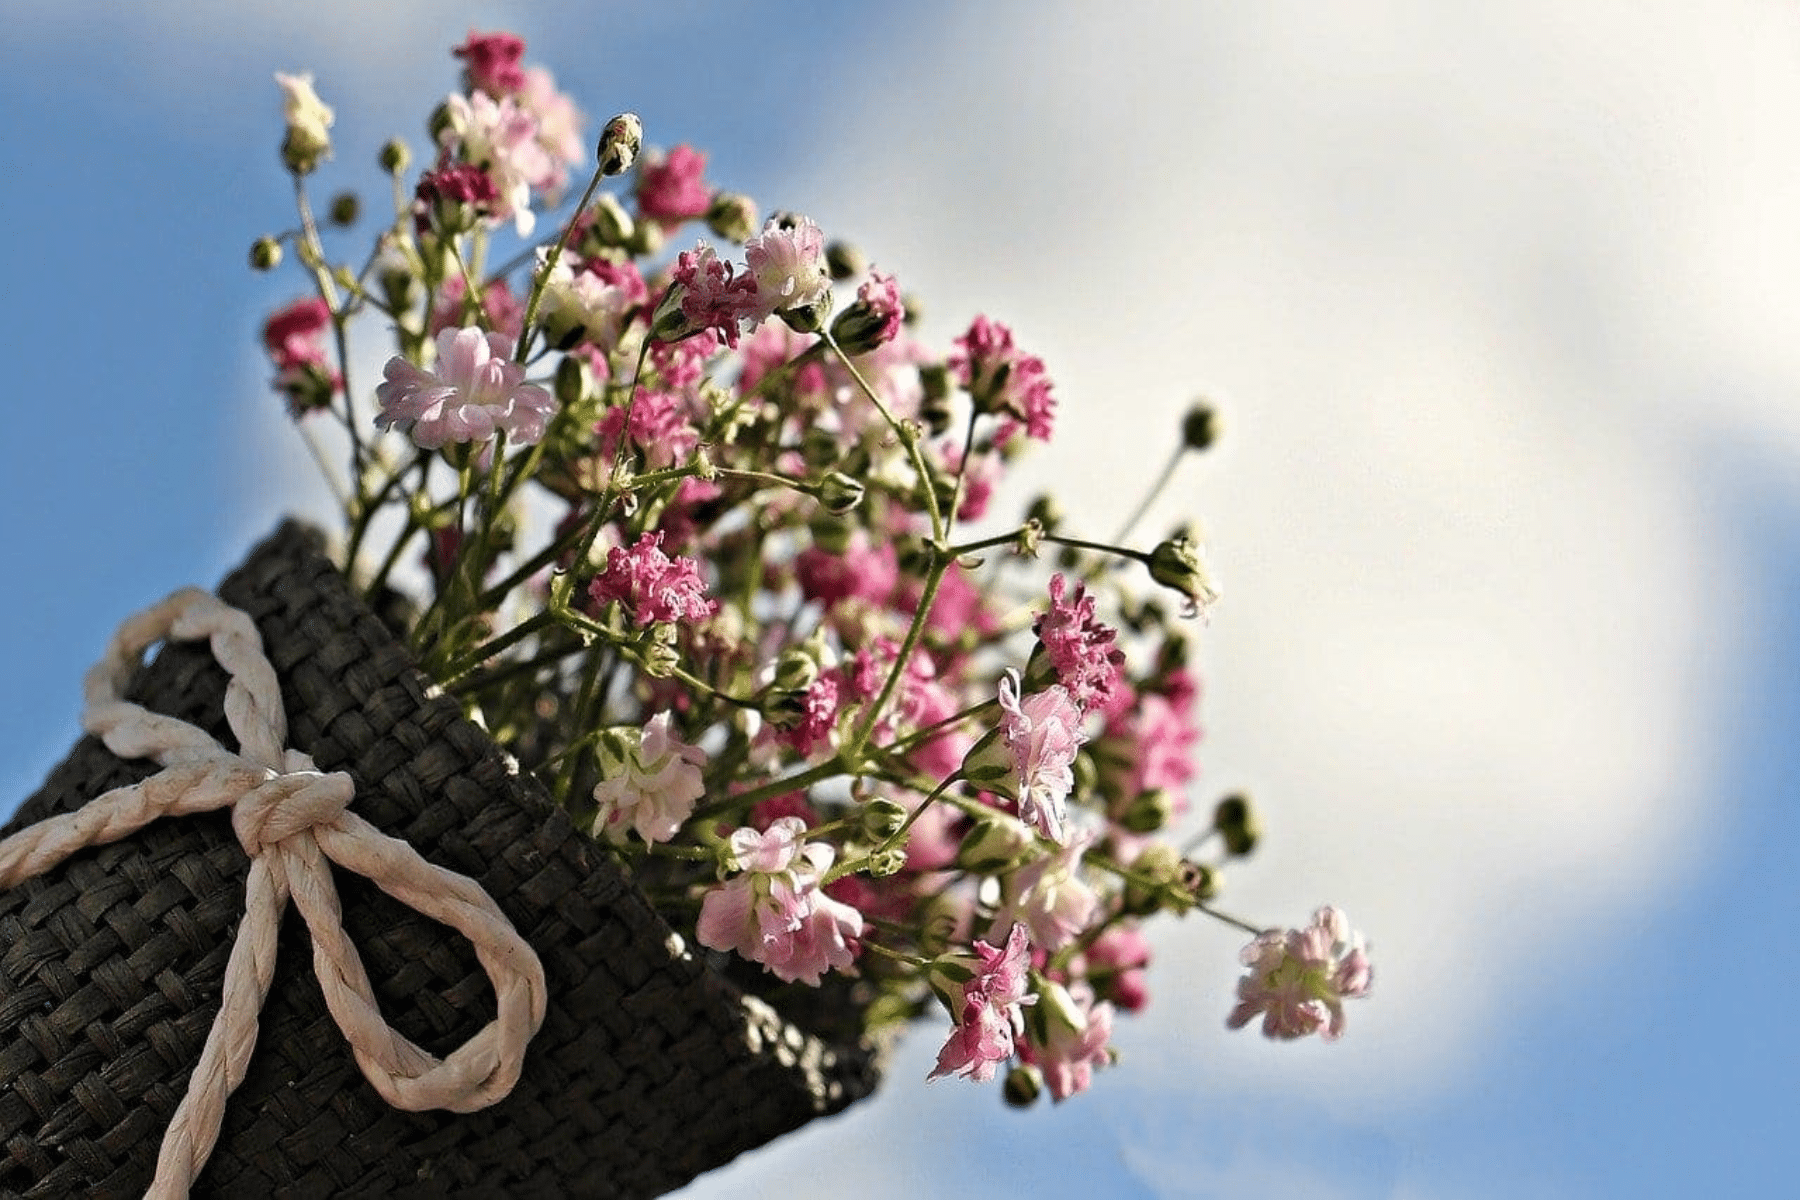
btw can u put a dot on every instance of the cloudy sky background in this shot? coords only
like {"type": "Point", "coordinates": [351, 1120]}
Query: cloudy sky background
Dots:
{"type": "Point", "coordinates": [1500, 302]}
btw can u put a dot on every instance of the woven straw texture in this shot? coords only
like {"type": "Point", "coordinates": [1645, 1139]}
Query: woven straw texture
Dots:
{"type": "Point", "coordinates": [650, 1067]}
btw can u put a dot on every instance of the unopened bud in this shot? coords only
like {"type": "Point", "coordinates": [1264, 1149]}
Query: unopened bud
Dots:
{"type": "Point", "coordinates": [884, 863]}
{"type": "Point", "coordinates": [1237, 824]}
{"type": "Point", "coordinates": [1046, 511]}
{"type": "Point", "coordinates": [1154, 871]}
{"type": "Point", "coordinates": [1200, 428]}
{"type": "Point", "coordinates": [997, 842]}
{"type": "Point", "coordinates": [1024, 1084]}
{"type": "Point", "coordinates": [611, 226]}
{"type": "Point", "coordinates": [574, 380]}
{"type": "Point", "coordinates": [732, 216]}
{"type": "Point", "coordinates": [659, 653]}
{"type": "Point", "coordinates": [795, 671]}
{"type": "Point", "coordinates": [620, 142]}
{"type": "Point", "coordinates": [646, 239]}
{"type": "Point", "coordinates": [1148, 812]}
{"type": "Point", "coordinates": [1176, 565]}
{"type": "Point", "coordinates": [808, 318]}
{"type": "Point", "coordinates": [934, 399]}
{"type": "Point", "coordinates": [844, 261]}
{"type": "Point", "coordinates": [882, 818]}
{"type": "Point", "coordinates": [830, 534]}
{"type": "Point", "coordinates": [395, 157]}
{"type": "Point", "coordinates": [839, 493]}
{"type": "Point", "coordinates": [344, 210]}
{"type": "Point", "coordinates": [265, 254]}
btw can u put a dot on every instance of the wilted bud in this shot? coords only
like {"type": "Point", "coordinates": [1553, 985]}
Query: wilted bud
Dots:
{"type": "Point", "coordinates": [732, 215]}
{"type": "Point", "coordinates": [574, 380]}
{"type": "Point", "coordinates": [839, 493]}
{"type": "Point", "coordinates": [996, 842]}
{"type": "Point", "coordinates": [1176, 565]}
{"type": "Point", "coordinates": [265, 254]}
{"type": "Point", "coordinates": [1024, 1084]}
{"type": "Point", "coordinates": [883, 863]}
{"type": "Point", "coordinates": [395, 157]}
{"type": "Point", "coordinates": [1200, 428]}
{"type": "Point", "coordinates": [619, 144]}
{"type": "Point", "coordinates": [1148, 812]}
{"type": "Point", "coordinates": [882, 818]}
{"type": "Point", "coordinates": [1237, 824]}
{"type": "Point", "coordinates": [844, 261]}
{"type": "Point", "coordinates": [344, 210]}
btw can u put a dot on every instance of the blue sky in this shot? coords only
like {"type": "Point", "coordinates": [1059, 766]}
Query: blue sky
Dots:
{"type": "Point", "coordinates": [1502, 304]}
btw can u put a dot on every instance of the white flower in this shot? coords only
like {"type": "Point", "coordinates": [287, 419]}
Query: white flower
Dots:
{"type": "Point", "coordinates": [476, 389]}
{"type": "Point", "coordinates": [650, 781]}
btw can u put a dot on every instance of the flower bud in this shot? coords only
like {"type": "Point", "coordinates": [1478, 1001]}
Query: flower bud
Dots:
{"type": "Point", "coordinates": [344, 210]}
{"type": "Point", "coordinates": [1024, 1084]}
{"type": "Point", "coordinates": [1237, 824]}
{"type": "Point", "coordinates": [620, 142]}
{"type": "Point", "coordinates": [1046, 511]}
{"type": "Point", "coordinates": [660, 657]}
{"type": "Point", "coordinates": [574, 380]}
{"type": "Point", "coordinates": [265, 254]}
{"type": "Point", "coordinates": [882, 818]}
{"type": "Point", "coordinates": [611, 226]}
{"type": "Point", "coordinates": [934, 399]}
{"type": "Point", "coordinates": [808, 318]}
{"type": "Point", "coordinates": [1200, 427]}
{"type": "Point", "coordinates": [1199, 880]}
{"type": "Point", "coordinates": [989, 766]}
{"type": "Point", "coordinates": [844, 261]}
{"type": "Point", "coordinates": [995, 843]}
{"type": "Point", "coordinates": [646, 239]}
{"type": "Point", "coordinates": [884, 863]}
{"type": "Point", "coordinates": [839, 493]}
{"type": "Point", "coordinates": [1154, 871]}
{"type": "Point", "coordinates": [395, 157]}
{"type": "Point", "coordinates": [1176, 565]}
{"type": "Point", "coordinates": [830, 534]}
{"type": "Point", "coordinates": [308, 138]}
{"type": "Point", "coordinates": [1148, 812]}
{"type": "Point", "coordinates": [732, 216]}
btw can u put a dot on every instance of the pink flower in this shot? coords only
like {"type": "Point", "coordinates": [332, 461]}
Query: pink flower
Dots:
{"type": "Point", "coordinates": [1080, 645]}
{"type": "Point", "coordinates": [660, 427]}
{"type": "Point", "coordinates": [476, 390]}
{"type": "Point", "coordinates": [817, 719]}
{"type": "Point", "coordinates": [294, 336]}
{"type": "Point", "coordinates": [453, 198]}
{"type": "Point", "coordinates": [491, 62]}
{"type": "Point", "coordinates": [1043, 734]}
{"type": "Point", "coordinates": [650, 780]}
{"type": "Point", "coordinates": [774, 912]}
{"type": "Point", "coordinates": [787, 261]}
{"type": "Point", "coordinates": [1115, 965]}
{"type": "Point", "coordinates": [558, 127]}
{"type": "Point", "coordinates": [708, 294]}
{"type": "Point", "coordinates": [1048, 896]}
{"type": "Point", "coordinates": [862, 570]}
{"type": "Point", "coordinates": [653, 586]}
{"type": "Point", "coordinates": [880, 295]}
{"type": "Point", "coordinates": [1003, 379]}
{"type": "Point", "coordinates": [501, 138]}
{"type": "Point", "coordinates": [671, 189]}
{"type": "Point", "coordinates": [988, 1015]}
{"type": "Point", "coordinates": [504, 311]}
{"type": "Point", "coordinates": [1300, 978]}
{"type": "Point", "coordinates": [1069, 1039]}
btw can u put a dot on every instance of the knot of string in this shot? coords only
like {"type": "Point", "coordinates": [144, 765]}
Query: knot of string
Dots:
{"type": "Point", "coordinates": [293, 821]}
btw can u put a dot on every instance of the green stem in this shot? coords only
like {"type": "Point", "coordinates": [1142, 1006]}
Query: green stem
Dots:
{"type": "Point", "coordinates": [914, 631]}
{"type": "Point", "coordinates": [908, 436]}
{"type": "Point", "coordinates": [1162, 481]}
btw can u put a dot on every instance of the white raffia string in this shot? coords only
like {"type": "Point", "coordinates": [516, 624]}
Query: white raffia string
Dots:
{"type": "Point", "coordinates": [291, 819]}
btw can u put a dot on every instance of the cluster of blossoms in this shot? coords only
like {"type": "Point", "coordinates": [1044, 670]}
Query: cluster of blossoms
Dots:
{"type": "Point", "coordinates": [696, 530]}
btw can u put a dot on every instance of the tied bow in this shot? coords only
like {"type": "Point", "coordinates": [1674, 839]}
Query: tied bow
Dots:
{"type": "Point", "coordinates": [291, 819]}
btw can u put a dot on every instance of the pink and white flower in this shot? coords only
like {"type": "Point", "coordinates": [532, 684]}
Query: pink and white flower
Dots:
{"type": "Point", "coordinates": [1068, 1038]}
{"type": "Point", "coordinates": [988, 1013]}
{"type": "Point", "coordinates": [706, 292]}
{"type": "Point", "coordinates": [774, 912]}
{"type": "Point", "coordinates": [476, 391]}
{"type": "Point", "coordinates": [1043, 733]}
{"type": "Point", "coordinates": [650, 781]}
{"type": "Point", "coordinates": [1049, 897]}
{"type": "Point", "coordinates": [501, 138]}
{"type": "Point", "coordinates": [787, 261]}
{"type": "Point", "coordinates": [1300, 978]}
{"type": "Point", "coordinates": [1001, 378]}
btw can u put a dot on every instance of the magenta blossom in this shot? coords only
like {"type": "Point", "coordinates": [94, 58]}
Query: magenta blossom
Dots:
{"type": "Point", "coordinates": [1079, 644]}
{"type": "Point", "coordinates": [652, 586]}
{"type": "Point", "coordinates": [476, 391]}
{"type": "Point", "coordinates": [491, 63]}
{"type": "Point", "coordinates": [774, 912]}
{"type": "Point", "coordinates": [1003, 379]}
{"type": "Point", "coordinates": [1300, 978]}
{"type": "Point", "coordinates": [294, 335]}
{"type": "Point", "coordinates": [649, 781]}
{"type": "Point", "coordinates": [672, 188]}
{"type": "Point", "coordinates": [988, 1013]}
{"type": "Point", "coordinates": [707, 293]}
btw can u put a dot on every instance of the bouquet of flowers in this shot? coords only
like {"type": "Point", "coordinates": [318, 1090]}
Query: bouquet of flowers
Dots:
{"type": "Point", "coordinates": [713, 545]}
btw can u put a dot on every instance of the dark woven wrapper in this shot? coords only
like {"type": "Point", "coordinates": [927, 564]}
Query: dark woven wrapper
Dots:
{"type": "Point", "coordinates": [650, 1068]}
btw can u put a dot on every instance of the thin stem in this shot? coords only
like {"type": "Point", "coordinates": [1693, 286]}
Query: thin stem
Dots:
{"type": "Point", "coordinates": [914, 631]}
{"type": "Point", "coordinates": [543, 276]}
{"type": "Point", "coordinates": [909, 438]}
{"type": "Point", "coordinates": [1162, 481]}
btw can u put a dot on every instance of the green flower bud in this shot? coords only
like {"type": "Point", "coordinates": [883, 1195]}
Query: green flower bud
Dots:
{"type": "Point", "coordinates": [1148, 812]}
{"type": "Point", "coordinates": [989, 766]}
{"type": "Point", "coordinates": [619, 144]}
{"type": "Point", "coordinates": [839, 493]}
{"type": "Point", "coordinates": [884, 863]}
{"type": "Point", "coordinates": [1046, 511]}
{"type": "Point", "coordinates": [1024, 1084]}
{"type": "Point", "coordinates": [732, 216]}
{"type": "Point", "coordinates": [659, 654]}
{"type": "Point", "coordinates": [574, 380]}
{"type": "Point", "coordinates": [1200, 881]}
{"type": "Point", "coordinates": [934, 403]}
{"type": "Point", "coordinates": [1155, 870]}
{"type": "Point", "coordinates": [844, 261]}
{"type": "Point", "coordinates": [830, 534]}
{"type": "Point", "coordinates": [996, 843]}
{"type": "Point", "coordinates": [265, 254]}
{"type": "Point", "coordinates": [882, 818]}
{"type": "Point", "coordinates": [394, 157]}
{"type": "Point", "coordinates": [646, 240]}
{"type": "Point", "coordinates": [611, 226]}
{"type": "Point", "coordinates": [819, 446]}
{"type": "Point", "coordinates": [344, 210]}
{"type": "Point", "coordinates": [1176, 565]}
{"type": "Point", "coordinates": [808, 318]}
{"type": "Point", "coordinates": [1237, 824]}
{"type": "Point", "coordinates": [1200, 427]}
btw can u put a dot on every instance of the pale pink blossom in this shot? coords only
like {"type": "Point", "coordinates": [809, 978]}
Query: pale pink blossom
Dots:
{"type": "Point", "coordinates": [650, 781]}
{"type": "Point", "coordinates": [589, 301]}
{"type": "Point", "coordinates": [558, 128]}
{"type": "Point", "coordinates": [475, 391]}
{"type": "Point", "coordinates": [1300, 978]}
{"type": "Point", "coordinates": [1043, 734]}
{"type": "Point", "coordinates": [787, 261]}
{"type": "Point", "coordinates": [774, 912]}
{"type": "Point", "coordinates": [1049, 897]}
{"type": "Point", "coordinates": [501, 138]}
{"type": "Point", "coordinates": [1116, 962]}
{"type": "Point", "coordinates": [672, 188]}
{"type": "Point", "coordinates": [1001, 378]}
{"type": "Point", "coordinates": [652, 586]}
{"type": "Point", "coordinates": [660, 426]}
{"type": "Point", "coordinates": [1069, 1037]}
{"type": "Point", "coordinates": [1079, 645]}
{"type": "Point", "coordinates": [987, 1014]}
{"type": "Point", "coordinates": [880, 295]}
